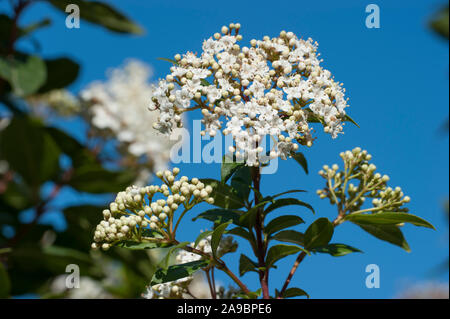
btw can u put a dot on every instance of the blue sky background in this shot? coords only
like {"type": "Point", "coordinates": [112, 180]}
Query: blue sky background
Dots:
{"type": "Point", "coordinates": [396, 78]}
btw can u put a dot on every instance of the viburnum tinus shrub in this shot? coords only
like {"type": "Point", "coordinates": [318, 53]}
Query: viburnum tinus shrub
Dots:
{"type": "Point", "coordinates": [274, 88]}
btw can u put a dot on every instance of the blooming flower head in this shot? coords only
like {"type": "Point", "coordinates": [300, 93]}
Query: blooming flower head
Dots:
{"type": "Point", "coordinates": [119, 107]}
{"type": "Point", "coordinates": [275, 87]}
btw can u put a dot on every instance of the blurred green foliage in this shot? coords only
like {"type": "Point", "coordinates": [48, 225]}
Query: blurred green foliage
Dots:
{"type": "Point", "coordinates": [32, 255]}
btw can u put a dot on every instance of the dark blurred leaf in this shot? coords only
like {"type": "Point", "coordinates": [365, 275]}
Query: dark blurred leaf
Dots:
{"type": "Point", "coordinates": [177, 271]}
{"type": "Point", "coordinates": [61, 72]}
{"type": "Point", "coordinates": [96, 179]}
{"type": "Point", "coordinates": [440, 24]}
{"type": "Point", "coordinates": [30, 151]}
{"type": "Point", "coordinates": [319, 233]}
{"type": "Point", "coordinates": [26, 74]}
{"type": "Point", "coordinates": [389, 233]}
{"type": "Point", "coordinates": [6, 24]}
{"type": "Point", "coordinates": [5, 285]}
{"type": "Point", "coordinates": [101, 14]}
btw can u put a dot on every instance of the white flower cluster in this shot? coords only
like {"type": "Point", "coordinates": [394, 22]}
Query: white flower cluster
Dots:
{"type": "Point", "coordinates": [275, 87]}
{"type": "Point", "coordinates": [180, 288]}
{"type": "Point", "coordinates": [340, 184]}
{"type": "Point", "coordinates": [120, 106]}
{"type": "Point", "coordinates": [138, 212]}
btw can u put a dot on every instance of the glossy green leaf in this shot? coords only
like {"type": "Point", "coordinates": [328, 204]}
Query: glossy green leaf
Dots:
{"type": "Point", "coordinates": [390, 233]}
{"type": "Point", "coordinates": [224, 195]}
{"type": "Point", "coordinates": [166, 260]}
{"type": "Point", "coordinates": [241, 232]}
{"type": "Point", "coordinates": [220, 216]}
{"type": "Point", "coordinates": [336, 250]}
{"type": "Point", "coordinates": [388, 218]}
{"type": "Point", "coordinates": [282, 202]}
{"type": "Point", "coordinates": [319, 233]}
{"type": "Point", "coordinates": [242, 182]}
{"type": "Point", "coordinates": [295, 292]}
{"type": "Point", "coordinates": [177, 271]}
{"type": "Point", "coordinates": [217, 236]}
{"type": "Point", "coordinates": [168, 60]}
{"type": "Point", "coordinates": [282, 222]}
{"type": "Point", "coordinates": [229, 167]}
{"type": "Point", "coordinates": [301, 159]}
{"type": "Point", "coordinates": [290, 236]}
{"type": "Point", "coordinates": [202, 235]}
{"type": "Point", "coordinates": [246, 265]}
{"type": "Point", "coordinates": [278, 252]}
{"type": "Point", "coordinates": [134, 245]}
{"type": "Point", "coordinates": [347, 118]}
{"type": "Point", "coordinates": [101, 14]}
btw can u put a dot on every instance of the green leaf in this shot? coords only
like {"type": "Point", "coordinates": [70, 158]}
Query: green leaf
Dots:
{"type": "Point", "coordinates": [246, 265]}
{"type": "Point", "coordinates": [175, 272]}
{"type": "Point", "coordinates": [388, 218]}
{"type": "Point", "coordinates": [168, 60]}
{"type": "Point", "coordinates": [61, 72]}
{"type": "Point", "coordinates": [241, 232]}
{"type": "Point", "coordinates": [290, 236]}
{"type": "Point", "coordinates": [220, 216]}
{"type": "Point", "coordinates": [347, 118]}
{"type": "Point", "coordinates": [282, 202]}
{"type": "Point", "coordinates": [278, 252]}
{"type": "Point", "coordinates": [165, 262]}
{"type": "Point", "coordinates": [282, 222]}
{"type": "Point", "coordinates": [295, 292]}
{"type": "Point", "coordinates": [79, 154]}
{"type": "Point", "coordinates": [5, 284]}
{"type": "Point", "coordinates": [319, 233]}
{"type": "Point", "coordinates": [26, 74]}
{"type": "Point", "coordinates": [242, 182]}
{"type": "Point", "coordinates": [229, 167]}
{"type": "Point", "coordinates": [248, 219]}
{"type": "Point", "coordinates": [217, 236]}
{"type": "Point", "coordinates": [30, 151]}
{"type": "Point", "coordinates": [336, 250]}
{"type": "Point", "coordinates": [287, 192]}
{"type": "Point", "coordinates": [134, 245]}
{"type": "Point", "coordinates": [202, 236]}
{"type": "Point", "coordinates": [224, 195]}
{"type": "Point", "coordinates": [96, 179]}
{"type": "Point", "coordinates": [390, 233]}
{"type": "Point", "coordinates": [301, 159]}
{"type": "Point", "coordinates": [440, 23]}
{"type": "Point", "coordinates": [101, 14]}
